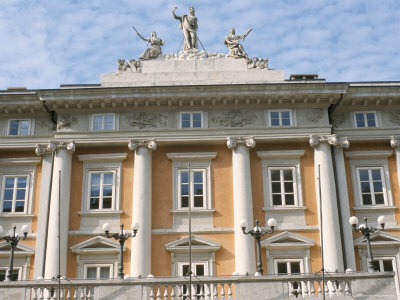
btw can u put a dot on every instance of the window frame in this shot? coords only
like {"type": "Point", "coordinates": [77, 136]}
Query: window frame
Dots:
{"type": "Point", "coordinates": [288, 261]}
{"type": "Point", "coordinates": [283, 192]}
{"type": "Point", "coordinates": [371, 185]}
{"type": "Point", "coordinates": [98, 266]}
{"type": "Point", "coordinates": [191, 183]}
{"type": "Point", "coordinates": [15, 192]}
{"type": "Point", "coordinates": [280, 111]}
{"type": "Point", "coordinates": [30, 129]}
{"type": "Point", "coordinates": [114, 124]}
{"type": "Point", "coordinates": [101, 189]}
{"type": "Point", "coordinates": [194, 264]}
{"type": "Point", "coordinates": [191, 113]}
{"type": "Point", "coordinates": [365, 119]}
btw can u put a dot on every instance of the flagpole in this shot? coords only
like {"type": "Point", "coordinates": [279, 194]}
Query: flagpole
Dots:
{"type": "Point", "coordinates": [190, 235]}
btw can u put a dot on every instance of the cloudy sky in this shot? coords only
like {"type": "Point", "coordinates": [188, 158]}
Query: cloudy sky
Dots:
{"type": "Point", "coordinates": [45, 43]}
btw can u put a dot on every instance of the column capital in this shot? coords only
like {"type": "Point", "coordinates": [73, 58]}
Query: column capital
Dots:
{"type": "Point", "coordinates": [233, 142]}
{"type": "Point", "coordinates": [395, 142]}
{"type": "Point", "coordinates": [52, 146]}
{"type": "Point", "coordinates": [149, 144]}
{"type": "Point", "coordinates": [333, 140]}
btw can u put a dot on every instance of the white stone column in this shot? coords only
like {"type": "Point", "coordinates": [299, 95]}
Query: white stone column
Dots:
{"type": "Point", "coordinates": [329, 225]}
{"type": "Point", "coordinates": [344, 203]}
{"type": "Point", "coordinates": [395, 143]}
{"type": "Point", "coordinates": [46, 152]}
{"type": "Point", "coordinates": [141, 207]}
{"type": "Point", "coordinates": [59, 212]}
{"type": "Point", "coordinates": [245, 260]}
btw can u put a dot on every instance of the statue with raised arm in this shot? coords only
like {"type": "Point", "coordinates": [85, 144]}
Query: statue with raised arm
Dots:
{"type": "Point", "coordinates": [155, 46]}
{"type": "Point", "coordinates": [188, 24]}
{"type": "Point", "coordinates": [231, 41]}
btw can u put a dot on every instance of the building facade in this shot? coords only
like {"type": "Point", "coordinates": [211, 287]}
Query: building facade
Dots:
{"type": "Point", "coordinates": [209, 135]}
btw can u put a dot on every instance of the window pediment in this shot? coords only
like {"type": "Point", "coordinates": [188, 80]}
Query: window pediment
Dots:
{"type": "Point", "coordinates": [98, 244]}
{"type": "Point", "coordinates": [20, 250]}
{"type": "Point", "coordinates": [198, 245]}
{"type": "Point", "coordinates": [379, 238]}
{"type": "Point", "coordinates": [286, 240]}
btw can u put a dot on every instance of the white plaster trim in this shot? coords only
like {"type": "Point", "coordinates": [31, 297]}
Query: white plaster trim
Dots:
{"type": "Point", "coordinates": [280, 154]}
{"type": "Point", "coordinates": [102, 157]}
{"type": "Point", "coordinates": [381, 207]}
{"type": "Point", "coordinates": [20, 161]}
{"type": "Point", "coordinates": [284, 208]}
{"type": "Point", "coordinates": [192, 156]}
{"type": "Point", "coordinates": [204, 121]}
{"type": "Point", "coordinates": [300, 241]}
{"type": "Point", "coordinates": [194, 211]}
{"type": "Point", "coordinates": [368, 154]}
{"type": "Point", "coordinates": [84, 247]}
{"type": "Point", "coordinates": [99, 213]}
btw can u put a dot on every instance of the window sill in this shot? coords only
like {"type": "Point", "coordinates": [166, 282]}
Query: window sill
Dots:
{"type": "Point", "coordinates": [202, 211]}
{"type": "Point", "coordinates": [284, 208]}
{"type": "Point", "coordinates": [99, 213]}
{"type": "Point", "coordinates": [375, 207]}
{"type": "Point", "coordinates": [15, 215]}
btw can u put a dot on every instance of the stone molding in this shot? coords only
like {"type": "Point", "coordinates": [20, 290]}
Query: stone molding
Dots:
{"type": "Point", "coordinates": [135, 144]}
{"type": "Point", "coordinates": [235, 118]}
{"type": "Point", "coordinates": [333, 140]}
{"type": "Point", "coordinates": [395, 142]}
{"type": "Point", "coordinates": [42, 149]}
{"type": "Point", "coordinates": [233, 142]}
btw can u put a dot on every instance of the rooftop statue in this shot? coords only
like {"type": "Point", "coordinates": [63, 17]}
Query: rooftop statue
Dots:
{"type": "Point", "coordinates": [231, 41]}
{"type": "Point", "coordinates": [155, 46]}
{"type": "Point", "coordinates": [188, 23]}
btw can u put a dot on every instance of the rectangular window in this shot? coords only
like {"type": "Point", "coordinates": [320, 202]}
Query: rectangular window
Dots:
{"type": "Point", "coordinates": [103, 122]}
{"type": "Point", "coordinates": [383, 265]}
{"type": "Point", "coordinates": [98, 271]}
{"type": "Point", "coordinates": [371, 184]}
{"type": "Point", "coordinates": [365, 119]}
{"type": "Point", "coordinates": [14, 275]}
{"type": "Point", "coordinates": [101, 190]}
{"type": "Point", "coordinates": [280, 118]}
{"type": "Point", "coordinates": [14, 193]}
{"type": "Point", "coordinates": [191, 120]}
{"type": "Point", "coordinates": [191, 188]}
{"type": "Point", "coordinates": [282, 186]}
{"type": "Point", "coordinates": [19, 127]}
{"type": "Point", "coordinates": [288, 267]}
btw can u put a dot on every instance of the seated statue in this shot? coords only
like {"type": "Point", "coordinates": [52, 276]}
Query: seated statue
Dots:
{"type": "Point", "coordinates": [155, 46]}
{"type": "Point", "coordinates": [231, 41]}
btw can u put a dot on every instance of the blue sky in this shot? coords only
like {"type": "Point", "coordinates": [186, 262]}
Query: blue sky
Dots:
{"type": "Point", "coordinates": [45, 43]}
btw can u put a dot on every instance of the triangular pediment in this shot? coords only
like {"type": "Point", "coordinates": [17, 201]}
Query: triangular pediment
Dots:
{"type": "Point", "coordinates": [98, 244]}
{"type": "Point", "coordinates": [379, 238]}
{"type": "Point", "coordinates": [199, 244]}
{"type": "Point", "coordinates": [20, 250]}
{"type": "Point", "coordinates": [287, 239]}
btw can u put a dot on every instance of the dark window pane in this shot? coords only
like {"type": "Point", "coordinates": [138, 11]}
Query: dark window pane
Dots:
{"type": "Point", "coordinates": [276, 187]}
{"type": "Point", "coordinates": [288, 175]}
{"type": "Point", "coordinates": [21, 182]}
{"type": "Point", "coordinates": [184, 177]}
{"type": "Point", "coordinates": [198, 177]}
{"type": "Point", "coordinates": [295, 267]}
{"type": "Point", "coordinates": [107, 190]}
{"type": "Point", "coordinates": [196, 124]}
{"type": "Point", "coordinates": [276, 200]}
{"type": "Point", "coordinates": [360, 123]}
{"type": "Point", "coordinates": [95, 191]}
{"type": "Point", "coordinates": [19, 206]}
{"type": "Point", "coordinates": [378, 187]}
{"type": "Point", "coordinates": [9, 183]}
{"type": "Point", "coordinates": [365, 188]}
{"type": "Point", "coordinates": [198, 189]}
{"type": "Point", "coordinates": [8, 194]}
{"type": "Point", "coordinates": [359, 117]}
{"type": "Point", "coordinates": [185, 270]}
{"type": "Point", "coordinates": [198, 201]}
{"type": "Point", "coordinates": [107, 202]}
{"type": "Point", "coordinates": [185, 201]}
{"type": "Point", "coordinates": [379, 199]}
{"type": "Point", "coordinates": [95, 179]}
{"type": "Point", "coordinates": [376, 175]}
{"type": "Point", "coordinates": [13, 128]}
{"type": "Point", "coordinates": [20, 195]}
{"type": "Point", "coordinates": [289, 187]}
{"type": "Point", "coordinates": [184, 189]}
{"type": "Point", "coordinates": [387, 265]}
{"type": "Point", "coordinates": [104, 272]}
{"type": "Point", "coordinates": [371, 120]}
{"type": "Point", "coordinates": [200, 270]}
{"type": "Point", "coordinates": [97, 122]}
{"type": "Point", "coordinates": [289, 199]}
{"type": "Point", "coordinates": [367, 199]}
{"type": "Point", "coordinates": [282, 268]}
{"type": "Point", "coordinates": [275, 175]}
{"type": "Point", "coordinates": [94, 203]}
{"type": "Point", "coordinates": [7, 206]}
{"type": "Point", "coordinates": [186, 117]}
{"type": "Point", "coordinates": [363, 175]}
{"type": "Point", "coordinates": [91, 273]}
{"type": "Point", "coordinates": [375, 263]}
{"type": "Point", "coordinates": [108, 178]}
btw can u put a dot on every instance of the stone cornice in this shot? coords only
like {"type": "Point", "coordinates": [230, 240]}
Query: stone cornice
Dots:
{"type": "Point", "coordinates": [149, 144]}
{"type": "Point", "coordinates": [233, 142]}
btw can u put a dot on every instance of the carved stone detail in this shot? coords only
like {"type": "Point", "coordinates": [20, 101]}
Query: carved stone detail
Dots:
{"type": "Point", "coordinates": [315, 140]}
{"type": "Point", "coordinates": [337, 120]}
{"type": "Point", "coordinates": [52, 146]}
{"type": "Point", "coordinates": [395, 117]}
{"type": "Point", "coordinates": [395, 142]}
{"type": "Point", "coordinates": [135, 144]}
{"type": "Point", "coordinates": [66, 122]}
{"type": "Point", "coordinates": [235, 118]}
{"type": "Point", "coordinates": [315, 114]}
{"type": "Point", "coordinates": [233, 142]}
{"type": "Point", "coordinates": [144, 119]}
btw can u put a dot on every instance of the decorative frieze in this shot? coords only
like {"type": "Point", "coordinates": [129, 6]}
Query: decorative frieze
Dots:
{"type": "Point", "coordinates": [333, 140]}
{"type": "Point", "coordinates": [135, 144]}
{"type": "Point", "coordinates": [337, 120]}
{"type": "Point", "coordinates": [233, 142]}
{"type": "Point", "coordinates": [235, 118]}
{"type": "Point", "coordinates": [142, 120]}
{"type": "Point", "coordinates": [66, 121]}
{"type": "Point", "coordinates": [395, 117]}
{"type": "Point", "coordinates": [41, 149]}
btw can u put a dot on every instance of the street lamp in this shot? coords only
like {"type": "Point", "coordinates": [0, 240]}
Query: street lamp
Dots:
{"type": "Point", "coordinates": [13, 240]}
{"type": "Point", "coordinates": [366, 232]}
{"type": "Point", "coordinates": [122, 236]}
{"type": "Point", "coordinates": [257, 232]}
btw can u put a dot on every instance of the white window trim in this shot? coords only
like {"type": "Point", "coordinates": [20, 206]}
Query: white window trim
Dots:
{"type": "Point", "coordinates": [101, 163]}
{"type": "Point", "coordinates": [115, 125]}
{"type": "Point", "coordinates": [31, 127]}
{"type": "Point", "coordinates": [19, 167]}
{"type": "Point", "coordinates": [203, 119]}
{"type": "Point", "coordinates": [291, 115]}
{"type": "Point", "coordinates": [365, 112]}
{"type": "Point", "coordinates": [197, 161]}
{"type": "Point", "coordinates": [22, 259]}
{"type": "Point", "coordinates": [282, 159]}
{"type": "Point", "coordinates": [194, 264]}
{"type": "Point", "coordinates": [98, 265]}
{"type": "Point", "coordinates": [370, 159]}
{"type": "Point", "coordinates": [288, 260]}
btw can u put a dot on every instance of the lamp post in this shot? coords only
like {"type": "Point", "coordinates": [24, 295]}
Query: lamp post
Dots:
{"type": "Point", "coordinates": [122, 236]}
{"type": "Point", "coordinates": [257, 232]}
{"type": "Point", "coordinates": [13, 240]}
{"type": "Point", "coordinates": [366, 232]}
